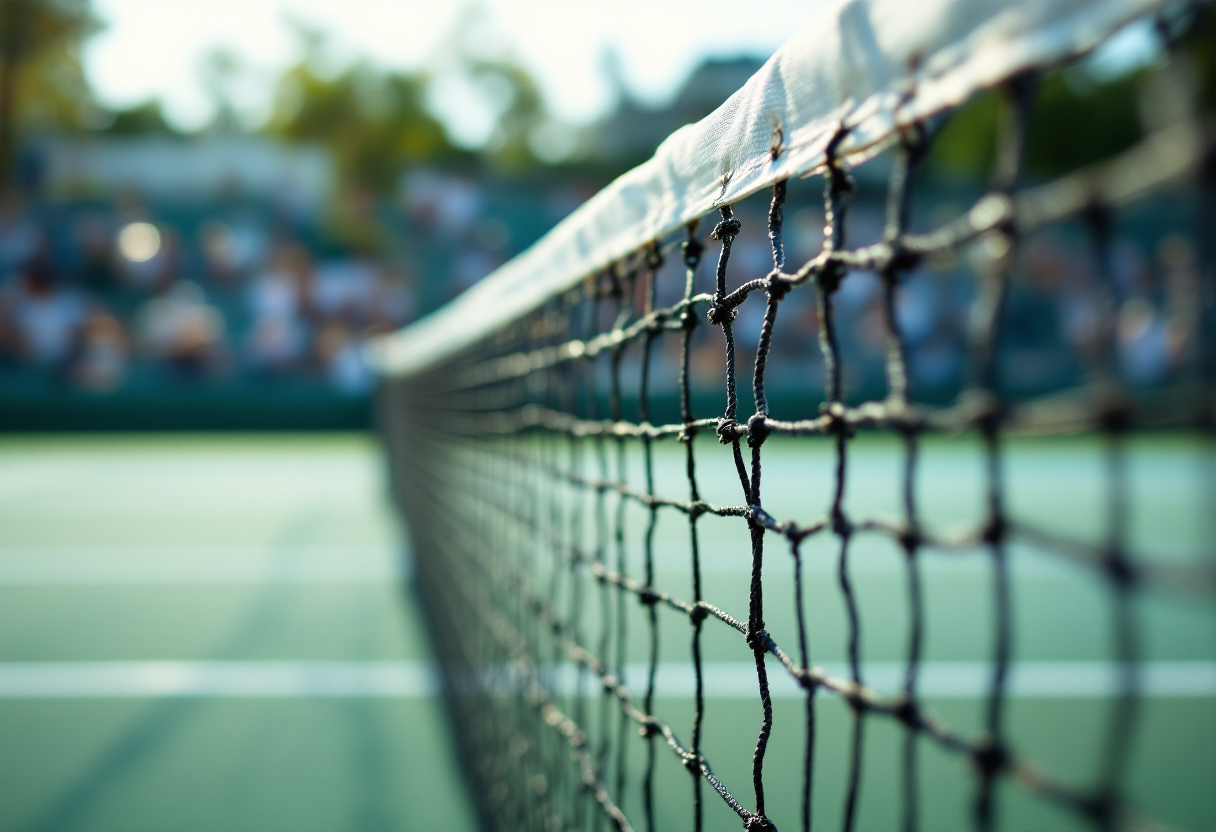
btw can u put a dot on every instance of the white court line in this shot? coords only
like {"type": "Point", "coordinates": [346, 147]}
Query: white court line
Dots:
{"type": "Point", "coordinates": [191, 565]}
{"type": "Point", "coordinates": [253, 564]}
{"type": "Point", "coordinates": [723, 680]}
{"type": "Point", "coordinates": [218, 679]}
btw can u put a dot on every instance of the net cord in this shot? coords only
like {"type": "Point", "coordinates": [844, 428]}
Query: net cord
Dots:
{"type": "Point", "coordinates": [877, 67]}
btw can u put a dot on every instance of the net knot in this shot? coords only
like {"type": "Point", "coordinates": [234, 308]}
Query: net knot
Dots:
{"type": "Point", "coordinates": [994, 532]}
{"type": "Point", "coordinates": [654, 257]}
{"type": "Point", "coordinates": [990, 757]}
{"type": "Point", "coordinates": [985, 408]}
{"type": "Point", "coordinates": [1102, 808]}
{"type": "Point", "coordinates": [698, 613]}
{"type": "Point", "coordinates": [692, 252]}
{"type": "Point", "coordinates": [1115, 416]}
{"type": "Point", "coordinates": [648, 597]}
{"type": "Point", "coordinates": [908, 712]}
{"type": "Point", "coordinates": [776, 288]}
{"type": "Point", "coordinates": [829, 277]}
{"type": "Point", "coordinates": [757, 430]}
{"type": "Point", "coordinates": [896, 257]}
{"type": "Point", "coordinates": [728, 431]}
{"type": "Point", "coordinates": [693, 762]}
{"type": "Point", "coordinates": [1118, 567]}
{"type": "Point", "coordinates": [727, 229]}
{"type": "Point", "coordinates": [758, 640]}
{"type": "Point", "coordinates": [836, 414]}
{"type": "Point", "coordinates": [650, 728]}
{"type": "Point", "coordinates": [688, 320]}
{"type": "Point", "coordinates": [759, 823]}
{"type": "Point", "coordinates": [840, 524]}
{"type": "Point", "coordinates": [720, 313]}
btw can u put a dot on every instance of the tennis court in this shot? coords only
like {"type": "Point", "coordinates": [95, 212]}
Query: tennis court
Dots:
{"type": "Point", "coordinates": [894, 515]}
{"type": "Point", "coordinates": [211, 632]}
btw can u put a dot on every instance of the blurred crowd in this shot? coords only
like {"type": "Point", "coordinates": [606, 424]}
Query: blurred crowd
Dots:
{"type": "Point", "coordinates": [1052, 326]}
{"type": "Point", "coordinates": [114, 295]}
{"type": "Point", "coordinates": [122, 292]}
{"type": "Point", "coordinates": [110, 295]}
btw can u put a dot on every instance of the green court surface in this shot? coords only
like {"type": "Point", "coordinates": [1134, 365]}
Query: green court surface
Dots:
{"type": "Point", "coordinates": [178, 555]}
{"type": "Point", "coordinates": [211, 632]}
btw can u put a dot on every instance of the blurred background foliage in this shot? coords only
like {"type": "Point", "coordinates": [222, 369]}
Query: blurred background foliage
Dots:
{"type": "Point", "coordinates": [376, 123]}
{"type": "Point", "coordinates": [42, 84]}
{"type": "Point", "coordinates": [373, 123]}
{"type": "Point", "coordinates": [1082, 115]}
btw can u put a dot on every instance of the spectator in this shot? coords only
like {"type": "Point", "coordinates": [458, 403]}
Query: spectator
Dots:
{"type": "Point", "coordinates": [182, 329]}
{"type": "Point", "coordinates": [276, 344]}
{"type": "Point", "coordinates": [280, 300]}
{"type": "Point", "coordinates": [231, 249]}
{"type": "Point", "coordinates": [94, 235]}
{"type": "Point", "coordinates": [450, 204]}
{"type": "Point", "coordinates": [101, 362]}
{"type": "Point", "coordinates": [393, 305]}
{"type": "Point", "coordinates": [284, 288]}
{"type": "Point", "coordinates": [342, 359]}
{"type": "Point", "coordinates": [19, 236]}
{"type": "Point", "coordinates": [219, 250]}
{"type": "Point", "coordinates": [346, 288]}
{"type": "Point", "coordinates": [39, 321]}
{"type": "Point", "coordinates": [1144, 345]}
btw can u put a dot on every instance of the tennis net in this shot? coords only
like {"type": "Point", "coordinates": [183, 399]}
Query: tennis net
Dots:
{"type": "Point", "coordinates": [560, 435]}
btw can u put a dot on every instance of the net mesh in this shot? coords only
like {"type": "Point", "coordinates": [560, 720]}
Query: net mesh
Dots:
{"type": "Point", "coordinates": [532, 474]}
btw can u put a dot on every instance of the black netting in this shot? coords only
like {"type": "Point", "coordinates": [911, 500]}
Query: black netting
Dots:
{"type": "Point", "coordinates": [530, 476]}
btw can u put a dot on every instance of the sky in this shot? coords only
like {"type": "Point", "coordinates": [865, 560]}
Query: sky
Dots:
{"type": "Point", "coordinates": [157, 48]}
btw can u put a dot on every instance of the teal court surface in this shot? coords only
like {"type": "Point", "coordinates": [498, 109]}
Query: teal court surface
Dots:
{"type": "Point", "coordinates": [210, 633]}
{"type": "Point", "coordinates": [214, 632]}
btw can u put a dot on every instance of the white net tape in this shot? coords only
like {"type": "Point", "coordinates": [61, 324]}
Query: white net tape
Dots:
{"type": "Point", "coordinates": [872, 66]}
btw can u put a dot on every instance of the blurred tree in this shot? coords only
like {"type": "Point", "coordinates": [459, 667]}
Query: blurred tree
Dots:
{"type": "Point", "coordinates": [376, 123]}
{"type": "Point", "coordinates": [145, 118]}
{"type": "Point", "coordinates": [41, 81]}
{"type": "Point", "coordinates": [220, 70]}
{"type": "Point", "coordinates": [1075, 122]}
{"type": "Point", "coordinates": [476, 58]}
{"type": "Point", "coordinates": [373, 122]}
{"type": "Point", "coordinates": [1081, 118]}
{"type": "Point", "coordinates": [514, 94]}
